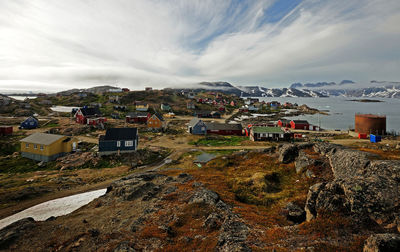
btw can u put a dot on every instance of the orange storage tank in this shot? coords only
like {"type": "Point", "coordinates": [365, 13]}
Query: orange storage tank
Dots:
{"type": "Point", "coordinates": [370, 124]}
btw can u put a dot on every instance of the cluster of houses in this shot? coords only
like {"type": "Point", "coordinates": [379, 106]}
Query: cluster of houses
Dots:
{"type": "Point", "coordinates": [254, 105]}
{"type": "Point", "coordinates": [46, 147]}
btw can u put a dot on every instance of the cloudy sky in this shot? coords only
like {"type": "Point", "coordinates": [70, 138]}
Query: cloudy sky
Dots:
{"type": "Point", "coordinates": [52, 45]}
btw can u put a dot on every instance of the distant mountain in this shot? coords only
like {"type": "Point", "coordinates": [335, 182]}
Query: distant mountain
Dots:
{"type": "Point", "coordinates": [388, 91]}
{"type": "Point", "coordinates": [320, 84]}
{"type": "Point", "coordinates": [95, 90]}
{"type": "Point", "coordinates": [253, 91]}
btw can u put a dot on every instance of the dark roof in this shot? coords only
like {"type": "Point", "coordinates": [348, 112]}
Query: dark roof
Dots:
{"type": "Point", "coordinates": [222, 126]}
{"type": "Point", "coordinates": [202, 112]}
{"type": "Point", "coordinates": [285, 120]}
{"type": "Point", "coordinates": [267, 130]}
{"type": "Point", "coordinates": [120, 134]}
{"type": "Point", "coordinates": [90, 111]}
{"type": "Point", "coordinates": [137, 114]}
{"type": "Point", "coordinates": [159, 116]}
{"type": "Point", "coordinates": [300, 121]}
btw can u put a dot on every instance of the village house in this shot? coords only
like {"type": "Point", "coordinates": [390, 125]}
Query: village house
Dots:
{"type": "Point", "coordinates": [300, 124]}
{"type": "Point", "coordinates": [197, 127]}
{"type": "Point", "coordinates": [232, 103]}
{"type": "Point", "coordinates": [137, 117]}
{"type": "Point", "coordinates": [125, 90]}
{"type": "Point", "coordinates": [89, 116]}
{"type": "Point", "coordinates": [190, 105]}
{"type": "Point", "coordinates": [157, 122]}
{"type": "Point", "coordinates": [6, 130]}
{"type": "Point", "coordinates": [120, 108]}
{"type": "Point", "coordinates": [118, 140]}
{"type": "Point", "coordinates": [224, 128]}
{"type": "Point", "coordinates": [29, 123]}
{"type": "Point", "coordinates": [190, 95]}
{"type": "Point", "coordinates": [165, 107]}
{"type": "Point", "coordinates": [141, 106]}
{"type": "Point", "coordinates": [113, 99]}
{"type": "Point", "coordinates": [115, 90]}
{"type": "Point", "coordinates": [203, 114]}
{"type": "Point", "coordinates": [148, 89]}
{"type": "Point", "coordinates": [258, 133]}
{"type": "Point", "coordinates": [47, 147]}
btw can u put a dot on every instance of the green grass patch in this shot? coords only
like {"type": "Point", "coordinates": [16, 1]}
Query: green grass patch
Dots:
{"type": "Point", "coordinates": [20, 164]}
{"type": "Point", "coordinates": [219, 141]}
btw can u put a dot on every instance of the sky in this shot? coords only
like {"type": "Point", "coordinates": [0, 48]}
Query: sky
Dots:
{"type": "Point", "coordinates": [55, 45]}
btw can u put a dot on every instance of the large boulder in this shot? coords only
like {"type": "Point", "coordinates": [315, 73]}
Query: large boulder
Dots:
{"type": "Point", "coordinates": [361, 187]}
{"type": "Point", "coordinates": [204, 196]}
{"type": "Point", "coordinates": [288, 153]}
{"type": "Point", "coordinates": [382, 243]}
{"type": "Point", "coordinates": [233, 235]}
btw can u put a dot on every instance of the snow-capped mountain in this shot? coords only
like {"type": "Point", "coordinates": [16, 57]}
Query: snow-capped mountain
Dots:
{"type": "Point", "coordinates": [382, 89]}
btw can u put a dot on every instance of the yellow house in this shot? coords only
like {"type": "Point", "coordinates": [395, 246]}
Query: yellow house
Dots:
{"type": "Point", "coordinates": [142, 106]}
{"type": "Point", "coordinates": [47, 147]}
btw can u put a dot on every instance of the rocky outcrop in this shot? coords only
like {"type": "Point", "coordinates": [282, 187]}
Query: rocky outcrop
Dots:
{"type": "Point", "coordinates": [14, 231]}
{"type": "Point", "coordinates": [382, 243]}
{"type": "Point", "coordinates": [295, 213]}
{"type": "Point", "coordinates": [288, 153]}
{"type": "Point", "coordinates": [361, 187]}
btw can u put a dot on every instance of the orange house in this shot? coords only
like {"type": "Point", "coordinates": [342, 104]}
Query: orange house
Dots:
{"type": "Point", "coordinates": [156, 121]}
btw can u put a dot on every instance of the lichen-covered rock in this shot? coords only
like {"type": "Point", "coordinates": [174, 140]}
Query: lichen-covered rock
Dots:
{"type": "Point", "coordinates": [302, 162]}
{"type": "Point", "coordinates": [232, 236]}
{"type": "Point", "coordinates": [361, 187]}
{"type": "Point", "coordinates": [295, 213]}
{"type": "Point", "coordinates": [382, 243]}
{"type": "Point", "coordinates": [204, 196]}
{"type": "Point", "coordinates": [288, 153]}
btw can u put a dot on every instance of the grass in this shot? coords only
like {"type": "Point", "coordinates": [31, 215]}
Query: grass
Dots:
{"type": "Point", "coordinates": [219, 141]}
{"type": "Point", "coordinates": [20, 164]}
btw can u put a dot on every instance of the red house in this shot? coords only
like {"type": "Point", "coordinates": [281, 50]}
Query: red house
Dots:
{"type": "Point", "coordinates": [224, 129]}
{"type": "Point", "coordinates": [137, 117]}
{"type": "Point", "coordinates": [300, 124]}
{"type": "Point", "coordinates": [90, 116]}
{"type": "Point", "coordinates": [6, 130]}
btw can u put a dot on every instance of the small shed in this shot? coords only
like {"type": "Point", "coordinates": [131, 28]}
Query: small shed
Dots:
{"type": "Point", "coordinates": [375, 138]}
{"type": "Point", "coordinates": [165, 107]}
{"type": "Point", "coordinates": [6, 130]}
{"type": "Point", "coordinates": [29, 123]}
{"type": "Point", "coordinates": [197, 127]}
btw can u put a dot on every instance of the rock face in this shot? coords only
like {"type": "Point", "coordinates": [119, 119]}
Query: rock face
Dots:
{"type": "Point", "coordinates": [362, 188]}
{"type": "Point", "coordinates": [382, 243]}
{"type": "Point", "coordinates": [295, 213]}
{"type": "Point", "coordinates": [288, 153]}
{"type": "Point", "coordinates": [13, 231]}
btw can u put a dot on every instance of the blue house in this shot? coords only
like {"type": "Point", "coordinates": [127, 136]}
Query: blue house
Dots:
{"type": "Point", "coordinates": [30, 123]}
{"type": "Point", "coordinates": [197, 127]}
{"type": "Point", "coordinates": [118, 140]}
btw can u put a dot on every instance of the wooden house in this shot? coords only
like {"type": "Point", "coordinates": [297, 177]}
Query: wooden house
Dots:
{"type": "Point", "coordinates": [197, 127]}
{"type": "Point", "coordinates": [156, 121]}
{"type": "Point", "coordinates": [119, 107]}
{"type": "Point", "coordinates": [89, 116]}
{"type": "Point", "coordinates": [233, 103]}
{"type": "Point", "coordinates": [141, 106]}
{"type": "Point", "coordinates": [29, 123]}
{"type": "Point", "coordinates": [137, 117]}
{"type": "Point", "coordinates": [224, 128]}
{"type": "Point", "coordinates": [190, 105]}
{"type": "Point", "coordinates": [47, 147]}
{"type": "Point", "coordinates": [118, 140]}
{"type": "Point", "coordinates": [125, 90]}
{"type": "Point", "coordinates": [113, 99]}
{"type": "Point", "coordinates": [258, 133]}
{"type": "Point", "coordinates": [165, 107]}
{"type": "Point", "coordinates": [6, 130]}
{"type": "Point", "coordinates": [300, 124]}
{"type": "Point", "coordinates": [215, 114]}
{"type": "Point", "coordinates": [203, 114]}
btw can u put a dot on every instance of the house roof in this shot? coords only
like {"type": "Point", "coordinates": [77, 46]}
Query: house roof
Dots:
{"type": "Point", "coordinates": [222, 126]}
{"type": "Point", "coordinates": [159, 116]}
{"type": "Point", "coordinates": [86, 111]}
{"type": "Point", "coordinates": [41, 138]}
{"type": "Point", "coordinates": [194, 121]}
{"type": "Point", "coordinates": [202, 112]}
{"type": "Point", "coordinates": [259, 129]}
{"type": "Point", "coordinates": [120, 134]}
{"type": "Point", "coordinates": [140, 104]}
{"type": "Point", "coordinates": [300, 121]}
{"type": "Point", "coordinates": [285, 120]}
{"type": "Point", "coordinates": [137, 114]}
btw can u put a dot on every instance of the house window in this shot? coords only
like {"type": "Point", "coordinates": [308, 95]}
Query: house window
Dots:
{"type": "Point", "coordinates": [281, 135]}
{"type": "Point", "coordinates": [128, 143]}
{"type": "Point", "coordinates": [35, 146]}
{"type": "Point", "coordinates": [27, 145]}
{"type": "Point", "coordinates": [118, 143]}
{"type": "Point", "coordinates": [203, 128]}
{"type": "Point", "coordinates": [41, 147]}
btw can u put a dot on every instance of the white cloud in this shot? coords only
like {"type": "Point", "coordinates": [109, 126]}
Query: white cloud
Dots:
{"type": "Point", "coordinates": [52, 45]}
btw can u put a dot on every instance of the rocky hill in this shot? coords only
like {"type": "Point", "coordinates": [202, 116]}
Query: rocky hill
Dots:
{"type": "Point", "coordinates": [304, 197]}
